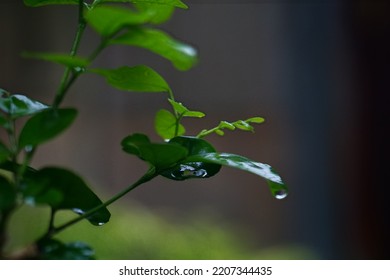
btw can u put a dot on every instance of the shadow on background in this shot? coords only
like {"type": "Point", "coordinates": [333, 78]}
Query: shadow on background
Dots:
{"type": "Point", "coordinates": [316, 70]}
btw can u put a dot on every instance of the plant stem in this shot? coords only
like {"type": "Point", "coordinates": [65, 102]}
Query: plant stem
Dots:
{"type": "Point", "coordinates": [67, 80]}
{"type": "Point", "coordinates": [145, 178]}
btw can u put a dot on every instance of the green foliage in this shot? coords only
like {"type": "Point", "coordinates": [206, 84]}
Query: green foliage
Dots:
{"type": "Point", "coordinates": [52, 249]}
{"type": "Point", "coordinates": [63, 59]}
{"type": "Point", "coordinates": [29, 123]}
{"type": "Point", "coordinates": [182, 56]}
{"type": "Point", "coordinates": [138, 78]}
{"type": "Point", "coordinates": [45, 126]}
{"type": "Point", "coordinates": [16, 106]}
{"type": "Point", "coordinates": [240, 124]}
{"type": "Point", "coordinates": [62, 189]}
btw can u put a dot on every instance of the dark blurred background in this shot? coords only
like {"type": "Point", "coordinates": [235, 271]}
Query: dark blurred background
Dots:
{"type": "Point", "coordinates": [317, 71]}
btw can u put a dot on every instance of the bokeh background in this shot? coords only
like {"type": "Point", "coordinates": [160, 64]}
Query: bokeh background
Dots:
{"type": "Point", "coordinates": [318, 71]}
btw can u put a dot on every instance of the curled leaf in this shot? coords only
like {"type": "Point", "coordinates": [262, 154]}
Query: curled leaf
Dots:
{"type": "Point", "coordinates": [159, 155]}
{"type": "Point", "coordinates": [188, 169]}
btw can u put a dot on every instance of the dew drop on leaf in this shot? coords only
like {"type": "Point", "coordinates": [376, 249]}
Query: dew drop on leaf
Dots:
{"type": "Point", "coordinates": [280, 194]}
{"type": "Point", "coordinates": [186, 171]}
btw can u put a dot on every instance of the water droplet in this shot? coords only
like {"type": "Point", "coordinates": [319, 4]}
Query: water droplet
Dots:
{"type": "Point", "coordinates": [280, 194]}
{"type": "Point", "coordinates": [187, 171]}
{"type": "Point", "coordinates": [78, 211]}
{"type": "Point", "coordinates": [28, 148]}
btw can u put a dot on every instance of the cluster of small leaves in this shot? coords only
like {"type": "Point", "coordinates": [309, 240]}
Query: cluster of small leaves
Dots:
{"type": "Point", "coordinates": [178, 157]}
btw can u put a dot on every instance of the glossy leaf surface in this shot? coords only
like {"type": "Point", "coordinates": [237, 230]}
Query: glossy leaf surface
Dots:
{"type": "Point", "coordinates": [166, 125]}
{"type": "Point", "coordinates": [52, 249]}
{"type": "Point", "coordinates": [46, 125]}
{"type": "Point", "coordinates": [182, 56]}
{"type": "Point", "coordinates": [64, 190]}
{"type": "Point", "coordinates": [18, 105]}
{"type": "Point", "coordinates": [138, 78]}
{"type": "Point", "coordinates": [108, 20]}
{"type": "Point", "coordinates": [275, 183]}
{"type": "Point", "coordinates": [187, 169]}
{"type": "Point", "coordinates": [63, 59]}
{"type": "Point", "coordinates": [7, 194]}
{"type": "Point", "coordinates": [38, 3]}
{"type": "Point", "coordinates": [159, 155]}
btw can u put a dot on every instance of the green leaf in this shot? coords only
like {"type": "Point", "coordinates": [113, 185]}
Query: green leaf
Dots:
{"type": "Point", "coordinates": [173, 3]}
{"type": "Point", "coordinates": [63, 59]}
{"type": "Point", "coordinates": [108, 20]}
{"type": "Point", "coordinates": [161, 156]}
{"type": "Point", "coordinates": [38, 3]}
{"type": "Point", "coordinates": [243, 125]}
{"type": "Point", "coordinates": [138, 78]}
{"type": "Point", "coordinates": [19, 106]}
{"type": "Point", "coordinates": [165, 125]}
{"type": "Point", "coordinates": [183, 111]}
{"type": "Point", "coordinates": [159, 13]}
{"type": "Point", "coordinates": [240, 124]}
{"type": "Point", "coordinates": [225, 124]}
{"type": "Point", "coordinates": [275, 183]}
{"type": "Point", "coordinates": [182, 56]}
{"type": "Point", "coordinates": [188, 169]}
{"type": "Point", "coordinates": [64, 190]}
{"type": "Point", "coordinates": [46, 125]}
{"type": "Point", "coordinates": [52, 249]}
{"type": "Point", "coordinates": [255, 120]}
{"type": "Point", "coordinates": [7, 195]}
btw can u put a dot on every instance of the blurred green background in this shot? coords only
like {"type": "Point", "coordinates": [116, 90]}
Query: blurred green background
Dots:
{"type": "Point", "coordinates": [137, 233]}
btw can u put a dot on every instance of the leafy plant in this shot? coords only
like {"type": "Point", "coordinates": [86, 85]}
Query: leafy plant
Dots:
{"type": "Point", "coordinates": [177, 157]}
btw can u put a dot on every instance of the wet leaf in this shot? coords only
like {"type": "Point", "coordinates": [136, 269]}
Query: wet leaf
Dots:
{"type": "Point", "coordinates": [18, 105]}
{"type": "Point", "coordinates": [275, 183]}
{"type": "Point", "coordinates": [7, 194]}
{"type": "Point", "coordinates": [138, 78]}
{"type": "Point", "coordinates": [63, 59]}
{"type": "Point", "coordinates": [108, 20]}
{"type": "Point", "coordinates": [182, 56]}
{"type": "Point", "coordinates": [62, 189]}
{"type": "Point", "coordinates": [188, 169]}
{"type": "Point", "coordinates": [46, 125]}
{"type": "Point", "coordinates": [165, 125]}
{"type": "Point", "coordinates": [52, 249]}
{"type": "Point", "coordinates": [159, 155]}
{"type": "Point", "coordinates": [38, 3]}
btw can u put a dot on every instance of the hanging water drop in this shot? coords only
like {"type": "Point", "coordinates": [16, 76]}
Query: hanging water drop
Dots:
{"type": "Point", "coordinates": [280, 194]}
